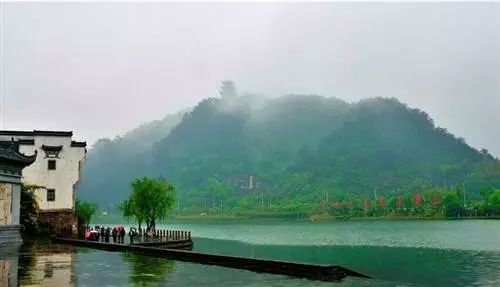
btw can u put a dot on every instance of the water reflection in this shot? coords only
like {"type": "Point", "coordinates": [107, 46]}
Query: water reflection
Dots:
{"type": "Point", "coordinates": [44, 264]}
{"type": "Point", "coordinates": [40, 263]}
{"type": "Point", "coordinates": [8, 264]}
{"type": "Point", "coordinates": [147, 271]}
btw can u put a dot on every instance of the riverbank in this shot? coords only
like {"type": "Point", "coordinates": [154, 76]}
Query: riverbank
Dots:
{"type": "Point", "coordinates": [110, 219]}
{"type": "Point", "coordinates": [399, 217]}
{"type": "Point", "coordinates": [326, 217]}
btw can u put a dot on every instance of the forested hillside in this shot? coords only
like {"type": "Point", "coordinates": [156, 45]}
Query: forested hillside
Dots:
{"type": "Point", "coordinates": [112, 163]}
{"type": "Point", "coordinates": [295, 153]}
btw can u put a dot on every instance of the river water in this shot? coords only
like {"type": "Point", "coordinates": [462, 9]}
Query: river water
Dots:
{"type": "Point", "coordinates": [395, 253]}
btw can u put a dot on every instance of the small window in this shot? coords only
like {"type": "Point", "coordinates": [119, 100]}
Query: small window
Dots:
{"type": "Point", "coordinates": [51, 194]}
{"type": "Point", "coordinates": [52, 164]}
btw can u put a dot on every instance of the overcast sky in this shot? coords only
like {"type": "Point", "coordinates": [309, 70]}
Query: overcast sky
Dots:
{"type": "Point", "coordinates": [102, 69]}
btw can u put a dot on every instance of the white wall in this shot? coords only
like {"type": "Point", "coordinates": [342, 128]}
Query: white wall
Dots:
{"type": "Point", "coordinates": [63, 179]}
{"type": "Point", "coordinates": [59, 266]}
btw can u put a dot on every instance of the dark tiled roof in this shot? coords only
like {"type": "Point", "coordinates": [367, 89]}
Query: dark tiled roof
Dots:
{"type": "Point", "coordinates": [78, 144]}
{"type": "Point", "coordinates": [54, 133]}
{"type": "Point", "coordinates": [52, 147]}
{"type": "Point", "coordinates": [10, 156]}
{"type": "Point", "coordinates": [26, 142]}
{"type": "Point", "coordinates": [10, 144]}
{"type": "Point", "coordinates": [16, 133]}
{"type": "Point", "coordinates": [36, 133]}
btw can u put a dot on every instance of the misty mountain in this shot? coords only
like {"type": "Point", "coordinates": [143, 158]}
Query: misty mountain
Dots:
{"type": "Point", "coordinates": [111, 163]}
{"type": "Point", "coordinates": [290, 148]}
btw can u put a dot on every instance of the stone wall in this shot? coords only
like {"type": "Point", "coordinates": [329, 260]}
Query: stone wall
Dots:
{"type": "Point", "coordinates": [58, 222]}
{"type": "Point", "coordinates": [5, 203]}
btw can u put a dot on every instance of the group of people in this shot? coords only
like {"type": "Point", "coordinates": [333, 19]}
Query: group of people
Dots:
{"type": "Point", "coordinates": [101, 233]}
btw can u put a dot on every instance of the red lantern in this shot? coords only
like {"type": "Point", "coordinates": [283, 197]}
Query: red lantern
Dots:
{"type": "Point", "coordinates": [417, 199]}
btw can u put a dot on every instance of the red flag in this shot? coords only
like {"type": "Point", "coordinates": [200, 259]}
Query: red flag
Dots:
{"type": "Point", "coordinates": [417, 199]}
{"type": "Point", "coordinates": [399, 202]}
{"type": "Point", "coordinates": [366, 203]}
{"type": "Point", "coordinates": [381, 201]}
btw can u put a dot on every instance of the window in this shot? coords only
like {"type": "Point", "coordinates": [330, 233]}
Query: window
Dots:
{"type": "Point", "coordinates": [51, 164]}
{"type": "Point", "coordinates": [52, 151]}
{"type": "Point", "coordinates": [51, 194]}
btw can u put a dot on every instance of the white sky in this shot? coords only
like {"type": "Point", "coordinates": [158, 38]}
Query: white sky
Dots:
{"type": "Point", "coordinates": [101, 69]}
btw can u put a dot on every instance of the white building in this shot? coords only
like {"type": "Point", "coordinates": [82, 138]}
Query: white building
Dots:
{"type": "Point", "coordinates": [57, 169]}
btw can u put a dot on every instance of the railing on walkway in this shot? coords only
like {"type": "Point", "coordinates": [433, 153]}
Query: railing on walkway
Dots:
{"type": "Point", "coordinates": [160, 235]}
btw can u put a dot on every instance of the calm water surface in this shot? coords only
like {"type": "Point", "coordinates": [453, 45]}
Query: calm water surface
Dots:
{"type": "Point", "coordinates": [396, 253]}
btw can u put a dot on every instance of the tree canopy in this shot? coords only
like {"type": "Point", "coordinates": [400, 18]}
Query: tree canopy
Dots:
{"type": "Point", "coordinates": [84, 211]}
{"type": "Point", "coordinates": [151, 199]}
{"type": "Point", "coordinates": [29, 207]}
{"type": "Point", "coordinates": [289, 153]}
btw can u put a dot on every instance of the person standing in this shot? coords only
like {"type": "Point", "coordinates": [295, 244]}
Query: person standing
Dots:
{"type": "Point", "coordinates": [107, 234]}
{"type": "Point", "coordinates": [103, 233]}
{"type": "Point", "coordinates": [132, 233]}
{"type": "Point", "coordinates": [122, 234]}
{"type": "Point", "coordinates": [114, 234]}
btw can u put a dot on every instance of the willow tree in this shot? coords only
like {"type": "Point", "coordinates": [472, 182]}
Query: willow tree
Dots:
{"type": "Point", "coordinates": [151, 199]}
{"type": "Point", "coordinates": [84, 211]}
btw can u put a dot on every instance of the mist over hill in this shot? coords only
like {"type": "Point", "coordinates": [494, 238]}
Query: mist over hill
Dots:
{"type": "Point", "coordinates": [245, 150]}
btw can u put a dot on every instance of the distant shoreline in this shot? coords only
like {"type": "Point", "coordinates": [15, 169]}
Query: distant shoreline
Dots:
{"type": "Point", "coordinates": [320, 218]}
{"type": "Point", "coordinates": [328, 218]}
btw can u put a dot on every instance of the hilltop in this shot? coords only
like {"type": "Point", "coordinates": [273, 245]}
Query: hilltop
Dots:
{"type": "Point", "coordinates": [287, 154]}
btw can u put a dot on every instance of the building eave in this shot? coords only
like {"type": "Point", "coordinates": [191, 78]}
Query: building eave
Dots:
{"type": "Point", "coordinates": [9, 156]}
{"type": "Point", "coordinates": [36, 133]}
{"type": "Point", "coordinates": [56, 148]}
{"type": "Point", "coordinates": [26, 142]}
{"type": "Point", "coordinates": [78, 144]}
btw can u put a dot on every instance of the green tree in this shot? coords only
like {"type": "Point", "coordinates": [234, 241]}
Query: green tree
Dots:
{"type": "Point", "coordinates": [151, 199]}
{"type": "Point", "coordinates": [298, 147]}
{"type": "Point", "coordinates": [218, 191]}
{"type": "Point", "coordinates": [453, 204]}
{"type": "Point", "coordinates": [29, 207]}
{"type": "Point", "coordinates": [84, 211]}
{"type": "Point", "coordinates": [494, 202]}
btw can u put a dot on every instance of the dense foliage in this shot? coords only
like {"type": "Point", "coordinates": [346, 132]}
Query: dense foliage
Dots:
{"type": "Point", "coordinates": [151, 199]}
{"type": "Point", "coordinates": [84, 211]}
{"type": "Point", "coordinates": [29, 208]}
{"type": "Point", "coordinates": [292, 155]}
{"type": "Point", "coordinates": [112, 164]}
